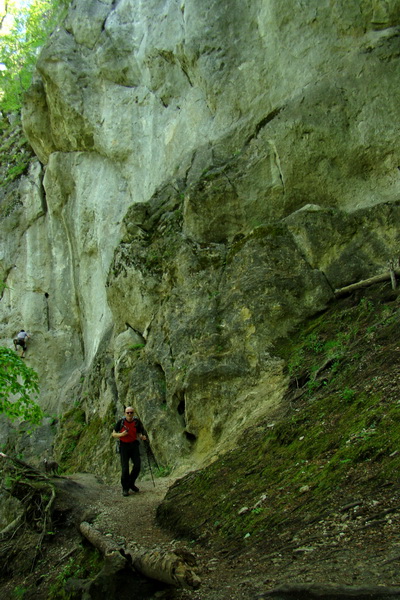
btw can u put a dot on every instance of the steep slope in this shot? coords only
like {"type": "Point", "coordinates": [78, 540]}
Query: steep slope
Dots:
{"type": "Point", "coordinates": [313, 497]}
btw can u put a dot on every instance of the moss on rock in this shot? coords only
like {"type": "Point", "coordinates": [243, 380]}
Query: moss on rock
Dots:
{"type": "Point", "coordinates": [72, 425]}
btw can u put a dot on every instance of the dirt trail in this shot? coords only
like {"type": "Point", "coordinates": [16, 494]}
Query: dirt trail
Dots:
{"type": "Point", "coordinates": [133, 519]}
{"type": "Point", "coordinates": [355, 548]}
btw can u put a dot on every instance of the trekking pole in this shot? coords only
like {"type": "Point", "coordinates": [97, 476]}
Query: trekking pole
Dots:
{"type": "Point", "coordinates": [148, 458]}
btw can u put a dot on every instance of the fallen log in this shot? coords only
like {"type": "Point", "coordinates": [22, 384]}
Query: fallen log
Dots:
{"type": "Point", "coordinates": [367, 282]}
{"type": "Point", "coordinates": [163, 565]}
{"type": "Point", "coordinates": [104, 544]}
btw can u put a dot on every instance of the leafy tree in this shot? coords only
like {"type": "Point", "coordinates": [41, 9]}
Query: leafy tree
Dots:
{"type": "Point", "coordinates": [24, 29]}
{"type": "Point", "coordinates": [18, 383]}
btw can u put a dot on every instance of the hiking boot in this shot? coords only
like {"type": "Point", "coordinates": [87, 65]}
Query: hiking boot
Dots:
{"type": "Point", "coordinates": [135, 489]}
{"type": "Point", "coordinates": [125, 492]}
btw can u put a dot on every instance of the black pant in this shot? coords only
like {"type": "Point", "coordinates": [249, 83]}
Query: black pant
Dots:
{"type": "Point", "coordinates": [129, 451]}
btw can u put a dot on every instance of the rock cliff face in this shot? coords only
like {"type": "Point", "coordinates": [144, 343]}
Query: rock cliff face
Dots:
{"type": "Point", "coordinates": [208, 173]}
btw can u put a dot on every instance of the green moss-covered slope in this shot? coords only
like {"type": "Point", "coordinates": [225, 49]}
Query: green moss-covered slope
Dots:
{"type": "Point", "coordinates": [337, 439]}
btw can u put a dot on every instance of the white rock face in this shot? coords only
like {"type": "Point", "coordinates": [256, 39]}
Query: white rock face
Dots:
{"type": "Point", "coordinates": [242, 114]}
{"type": "Point", "coordinates": [159, 87]}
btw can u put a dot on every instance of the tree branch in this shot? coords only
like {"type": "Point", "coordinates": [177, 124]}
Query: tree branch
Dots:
{"type": "Point", "coordinates": [367, 282]}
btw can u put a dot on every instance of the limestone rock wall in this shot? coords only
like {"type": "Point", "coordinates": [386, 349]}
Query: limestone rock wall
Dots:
{"type": "Point", "coordinates": [209, 172]}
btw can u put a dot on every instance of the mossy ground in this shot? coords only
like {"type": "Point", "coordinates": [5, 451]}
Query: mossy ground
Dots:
{"type": "Point", "coordinates": [337, 439]}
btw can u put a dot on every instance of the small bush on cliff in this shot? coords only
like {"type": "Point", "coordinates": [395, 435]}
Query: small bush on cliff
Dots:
{"type": "Point", "coordinates": [15, 158]}
{"type": "Point", "coordinates": [18, 383]}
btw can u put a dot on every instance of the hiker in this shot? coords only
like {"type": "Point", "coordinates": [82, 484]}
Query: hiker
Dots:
{"type": "Point", "coordinates": [129, 431]}
{"type": "Point", "coordinates": [20, 340]}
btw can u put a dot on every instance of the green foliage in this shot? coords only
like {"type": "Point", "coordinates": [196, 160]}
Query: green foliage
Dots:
{"type": "Point", "coordinates": [23, 31]}
{"type": "Point", "coordinates": [18, 387]}
{"type": "Point", "coordinates": [347, 395]}
{"type": "Point", "coordinates": [160, 471]}
{"type": "Point", "coordinates": [136, 347]}
{"type": "Point", "coordinates": [19, 592]}
{"type": "Point", "coordinates": [83, 566]}
{"type": "Point", "coordinates": [15, 157]}
{"type": "Point", "coordinates": [16, 171]}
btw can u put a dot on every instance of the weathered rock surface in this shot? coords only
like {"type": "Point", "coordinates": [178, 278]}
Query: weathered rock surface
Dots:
{"type": "Point", "coordinates": [210, 173]}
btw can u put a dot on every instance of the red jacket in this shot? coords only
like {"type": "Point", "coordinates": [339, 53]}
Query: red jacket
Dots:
{"type": "Point", "coordinates": [134, 427]}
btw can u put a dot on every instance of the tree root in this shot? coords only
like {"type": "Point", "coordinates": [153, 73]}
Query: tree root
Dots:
{"type": "Point", "coordinates": [36, 495]}
{"type": "Point", "coordinates": [11, 529]}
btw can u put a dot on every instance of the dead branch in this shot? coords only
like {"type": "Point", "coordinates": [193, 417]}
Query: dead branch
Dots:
{"type": "Point", "coordinates": [327, 363]}
{"type": "Point", "coordinates": [351, 505]}
{"type": "Point", "coordinates": [367, 282]}
{"type": "Point", "coordinates": [392, 272]}
{"type": "Point", "coordinates": [47, 513]}
{"type": "Point", "coordinates": [305, 591]}
{"type": "Point", "coordinates": [166, 566]}
{"type": "Point", "coordinates": [394, 558]}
